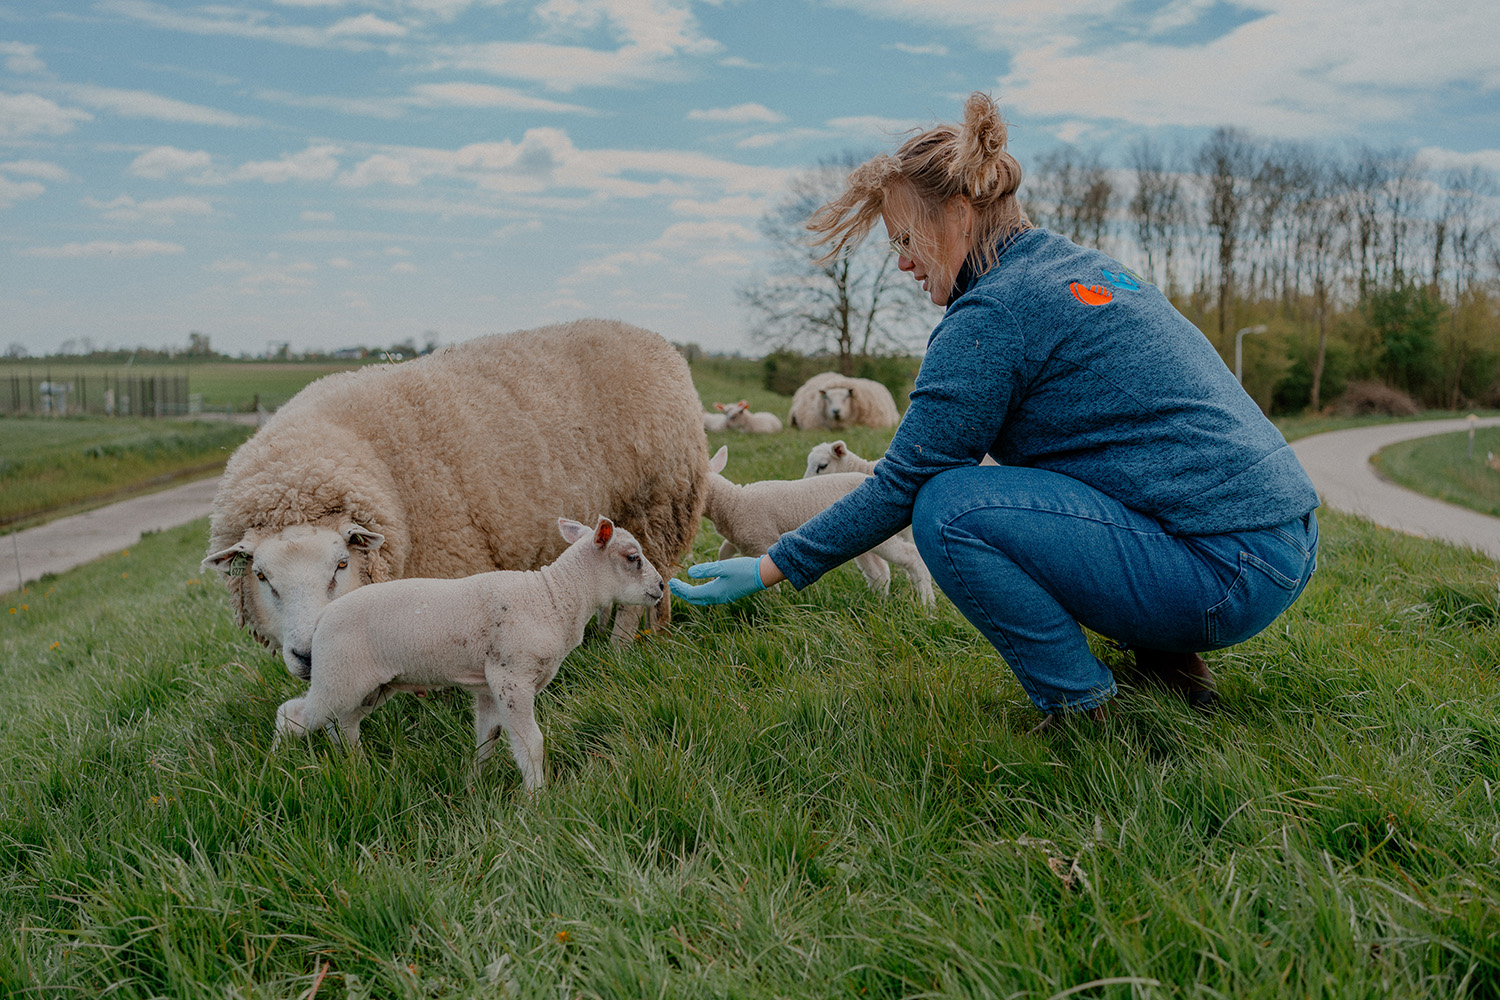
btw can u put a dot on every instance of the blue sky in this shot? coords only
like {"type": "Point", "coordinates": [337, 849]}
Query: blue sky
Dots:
{"type": "Point", "coordinates": [335, 172]}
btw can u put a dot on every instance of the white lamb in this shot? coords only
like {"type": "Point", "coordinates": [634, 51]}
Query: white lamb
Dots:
{"type": "Point", "coordinates": [501, 635]}
{"type": "Point", "coordinates": [714, 421]}
{"type": "Point", "coordinates": [752, 516]}
{"type": "Point", "coordinates": [835, 456]}
{"type": "Point", "coordinates": [737, 416]}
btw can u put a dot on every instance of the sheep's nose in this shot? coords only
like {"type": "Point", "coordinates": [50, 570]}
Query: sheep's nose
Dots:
{"type": "Point", "coordinates": [302, 662]}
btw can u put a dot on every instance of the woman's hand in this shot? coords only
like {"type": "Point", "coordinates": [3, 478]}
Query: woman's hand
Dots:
{"type": "Point", "coordinates": [733, 579]}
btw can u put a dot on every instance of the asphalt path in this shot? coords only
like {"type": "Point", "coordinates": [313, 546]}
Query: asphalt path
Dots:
{"type": "Point", "coordinates": [1338, 462]}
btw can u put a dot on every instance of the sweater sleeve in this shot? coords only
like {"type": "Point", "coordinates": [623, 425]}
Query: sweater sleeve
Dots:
{"type": "Point", "coordinates": [964, 389]}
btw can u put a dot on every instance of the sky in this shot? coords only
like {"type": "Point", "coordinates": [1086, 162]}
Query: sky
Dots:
{"type": "Point", "coordinates": [329, 173]}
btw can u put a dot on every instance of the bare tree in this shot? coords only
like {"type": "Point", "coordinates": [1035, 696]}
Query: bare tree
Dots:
{"type": "Point", "coordinates": [1157, 210]}
{"type": "Point", "coordinates": [1225, 165]}
{"type": "Point", "coordinates": [1070, 193]}
{"type": "Point", "coordinates": [856, 306]}
{"type": "Point", "coordinates": [1322, 210]}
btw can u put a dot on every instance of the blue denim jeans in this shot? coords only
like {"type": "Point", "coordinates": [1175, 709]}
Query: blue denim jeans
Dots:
{"type": "Point", "coordinates": [1029, 555]}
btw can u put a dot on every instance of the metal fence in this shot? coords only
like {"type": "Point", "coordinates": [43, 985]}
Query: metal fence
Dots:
{"type": "Point", "coordinates": [108, 393]}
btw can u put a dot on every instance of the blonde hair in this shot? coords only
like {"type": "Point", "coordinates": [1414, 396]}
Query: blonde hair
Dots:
{"type": "Point", "coordinates": [930, 169]}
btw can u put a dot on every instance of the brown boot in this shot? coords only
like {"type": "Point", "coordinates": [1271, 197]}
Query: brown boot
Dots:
{"type": "Point", "coordinates": [1185, 673]}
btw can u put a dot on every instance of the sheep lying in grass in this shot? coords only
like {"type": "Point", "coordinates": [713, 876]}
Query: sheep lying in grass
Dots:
{"type": "Point", "coordinates": [737, 416]}
{"type": "Point", "coordinates": [751, 517]}
{"type": "Point", "coordinates": [714, 421]}
{"type": "Point", "coordinates": [501, 635]}
{"type": "Point", "coordinates": [832, 400]}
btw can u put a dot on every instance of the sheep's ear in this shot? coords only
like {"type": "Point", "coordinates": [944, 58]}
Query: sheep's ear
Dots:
{"type": "Point", "coordinates": [719, 407]}
{"type": "Point", "coordinates": [571, 530]}
{"type": "Point", "coordinates": [231, 561]}
{"type": "Point", "coordinates": [361, 538]}
{"type": "Point", "coordinates": [603, 532]}
{"type": "Point", "coordinates": [839, 449]}
{"type": "Point", "coordinates": [744, 404]}
{"type": "Point", "coordinates": [720, 459]}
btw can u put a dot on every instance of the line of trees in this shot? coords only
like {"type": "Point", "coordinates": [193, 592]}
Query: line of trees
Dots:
{"type": "Point", "coordinates": [1364, 263]}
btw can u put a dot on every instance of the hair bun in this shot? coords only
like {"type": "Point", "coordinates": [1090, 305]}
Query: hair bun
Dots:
{"type": "Point", "coordinates": [981, 163]}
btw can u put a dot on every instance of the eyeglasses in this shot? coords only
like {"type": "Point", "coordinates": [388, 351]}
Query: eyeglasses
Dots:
{"type": "Point", "coordinates": [901, 245]}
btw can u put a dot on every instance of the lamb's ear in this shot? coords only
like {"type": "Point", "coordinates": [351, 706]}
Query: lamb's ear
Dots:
{"type": "Point", "coordinates": [719, 407]}
{"type": "Point", "coordinates": [231, 561]}
{"type": "Point", "coordinates": [603, 532]}
{"type": "Point", "coordinates": [839, 449]}
{"type": "Point", "coordinates": [744, 404]}
{"type": "Point", "coordinates": [361, 538]}
{"type": "Point", "coordinates": [571, 530]}
{"type": "Point", "coordinates": [720, 459]}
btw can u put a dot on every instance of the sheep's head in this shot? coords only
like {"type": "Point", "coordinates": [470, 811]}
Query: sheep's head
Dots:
{"type": "Point", "coordinates": [735, 414]}
{"type": "Point", "coordinates": [627, 575]}
{"type": "Point", "coordinates": [837, 402]}
{"type": "Point", "coordinates": [284, 579]}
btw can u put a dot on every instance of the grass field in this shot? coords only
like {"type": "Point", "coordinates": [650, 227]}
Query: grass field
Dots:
{"type": "Point", "coordinates": [233, 385]}
{"type": "Point", "coordinates": [811, 794]}
{"type": "Point", "coordinates": [57, 465]}
{"type": "Point", "coordinates": [1440, 467]}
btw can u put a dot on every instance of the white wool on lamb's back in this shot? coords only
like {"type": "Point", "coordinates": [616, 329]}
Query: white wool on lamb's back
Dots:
{"type": "Point", "coordinates": [459, 463]}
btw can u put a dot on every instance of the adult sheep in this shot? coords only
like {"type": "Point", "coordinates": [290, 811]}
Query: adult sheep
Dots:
{"type": "Point", "coordinates": [458, 463]}
{"type": "Point", "coordinates": [832, 401]}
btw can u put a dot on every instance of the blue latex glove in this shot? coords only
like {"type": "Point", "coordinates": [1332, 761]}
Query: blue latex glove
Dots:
{"type": "Point", "coordinates": [734, 578]}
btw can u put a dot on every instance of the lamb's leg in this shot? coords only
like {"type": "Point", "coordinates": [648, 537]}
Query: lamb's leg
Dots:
{"type": "Point", "coordinates": [726, 549]}
{"type": "Point", "coordinates": [488, 727]}
{"type": "Point", "coordinates": [876, 570]}
{"type": "Point", "coordinates": [627, 624]}
{"type": "Point", "coordinates": [515, 704]}
{"type": "Point", "coordinates": [905, 555]}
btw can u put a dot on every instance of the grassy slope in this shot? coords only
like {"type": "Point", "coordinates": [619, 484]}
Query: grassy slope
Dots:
{"type": "Point", "coordinates": [48, 465]}
{"type": "Point", "coordinates": [812, 794]}
{"type": "Point", "coordinates": [1440, 467]}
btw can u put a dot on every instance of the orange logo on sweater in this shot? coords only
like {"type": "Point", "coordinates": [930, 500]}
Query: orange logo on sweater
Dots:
{"type": "Point", "coordinates": [1095, 295]}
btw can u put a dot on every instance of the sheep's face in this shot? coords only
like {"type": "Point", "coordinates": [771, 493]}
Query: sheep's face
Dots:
{"type": "Point", "coordinates": [629, 577]}
{"type": "Point", "coordinates": [838, 403]}
{"type": "Point", "coordinates": [290, 576]}
{"type": "Point", "coordinates": [825, 458]}
{"type": "Point", "coordinates": [735, 413]}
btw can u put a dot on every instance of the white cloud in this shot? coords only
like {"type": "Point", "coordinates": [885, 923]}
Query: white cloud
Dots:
{"type": "Point", "coordinates": [680, 234]}
{"type": "Point", "coordinates": [480, 95]}
{"type": "Point", "coordinates": [39, 169]}
{"type": "Point", "coordinates": [1447, 159]}
{"type": "Point", "coordinates": [920, 50]}
{"type": "Point", "coordinates": [738, 206]}
{"type": "Point", "coordinates": [739, 114]}
{"type": "Point", "coordinates": [160, 211]}
{"type": "Point", "coordinates": [14, 191]}
{"type": "Point", "coordinates": [315, 163]}
{"type": "Point", "coordinates": [25, 115]}
{"type": "Point", "coordinates": [244, 23]}
{"type": "Point", "coordinates": [106, 248]}
{"type": "Point", "coordinates": [614, 265]}
{"type": "Point", "coordinates": [169, 161]}
{"type": "Point", "coordinates": [144, 104]}
{"type": "Point", "coordinates": [368, 25]}
{"type": "Point", "coordinates": [21, 58]}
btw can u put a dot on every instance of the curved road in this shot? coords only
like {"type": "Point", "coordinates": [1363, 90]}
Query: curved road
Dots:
{"type": "Point", "coordinates": [1338, 462]}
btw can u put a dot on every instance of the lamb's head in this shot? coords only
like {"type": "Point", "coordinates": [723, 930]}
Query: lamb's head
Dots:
{"type": "Point", "coordinates": [626, 575]}
{"type": "Point", "coordinates": [837, 402]}
{"type": "Point", "coordinates": [290, 575]}
{"type": "Point", "coordinates": [735, 414]}
{"type": "Point", "coordinates": [825, 458]}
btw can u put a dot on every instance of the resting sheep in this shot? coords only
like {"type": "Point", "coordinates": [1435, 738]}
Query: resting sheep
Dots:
{"type": "Point", "coordinates": [714, 421]}
{"type": "Point", "coordinates": [831, 400]}
{"type": "Point", "coordinates": [752, 516]}
{"type": "Point", "coordinates": [500, 635]}
{"type": "Point", "coordinates": [455, 464]}
{"type": "Point", "coordinates": [737, 417]}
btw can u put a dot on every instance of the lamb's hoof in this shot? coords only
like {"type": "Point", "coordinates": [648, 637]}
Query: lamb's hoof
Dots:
{"type": "Point", "coordinates": [1185, 673]}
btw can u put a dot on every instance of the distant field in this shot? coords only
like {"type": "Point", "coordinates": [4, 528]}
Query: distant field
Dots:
{"type": "Point", "coordinates": [1440, 467]}
{"type": "Point", "coordinates": [50, 464]}
{"type": "Point", "coordinates": [233, 385]}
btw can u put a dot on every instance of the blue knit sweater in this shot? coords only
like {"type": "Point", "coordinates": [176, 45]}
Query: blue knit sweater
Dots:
{"type": "Point", "coordinates": [1060, 358]}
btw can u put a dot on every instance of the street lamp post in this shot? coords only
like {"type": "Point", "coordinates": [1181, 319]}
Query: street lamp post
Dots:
{"type": "Point", "coordinates": [1239, 351]}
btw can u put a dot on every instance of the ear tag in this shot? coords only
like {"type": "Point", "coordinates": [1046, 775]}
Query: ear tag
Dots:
{"type": "Point", "coordinates": [237, 564]}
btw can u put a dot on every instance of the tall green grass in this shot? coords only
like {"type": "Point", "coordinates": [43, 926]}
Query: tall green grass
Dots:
{"type": "Point", "coordinates": [50, 463]}
{"type": "Point", "coordinates": [823, 793]}
{"type": "Point", "coordinates": [1441, 466]}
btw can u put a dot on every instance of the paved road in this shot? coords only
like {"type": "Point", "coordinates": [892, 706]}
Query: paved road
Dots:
{"type": "Point", "coordinates": [1337, 461]}
{"type": "Point", "coordinates": [1339, 464]}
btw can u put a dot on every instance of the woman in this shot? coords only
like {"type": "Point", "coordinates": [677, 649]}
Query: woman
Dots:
{"type": "Point", "coordinates": [1141, 492]}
